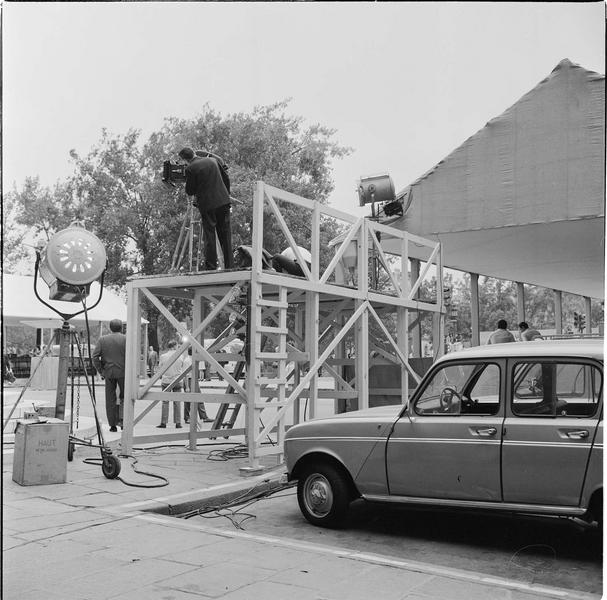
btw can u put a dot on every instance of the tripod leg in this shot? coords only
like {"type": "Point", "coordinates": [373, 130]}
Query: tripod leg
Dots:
{"type": "Point", "coordinates": [177, 255]}
{"type": "Point", "coordinates": [28, 382]}
{"type": "Point", "coordinates": [91, 389]}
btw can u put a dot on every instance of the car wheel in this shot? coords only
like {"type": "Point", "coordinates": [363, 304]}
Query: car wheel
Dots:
{"type": "Point", "coordinates": [323, 495]}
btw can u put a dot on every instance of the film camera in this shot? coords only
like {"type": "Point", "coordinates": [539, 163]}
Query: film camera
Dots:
{"type": "Point", "coordinates": [173, 172]}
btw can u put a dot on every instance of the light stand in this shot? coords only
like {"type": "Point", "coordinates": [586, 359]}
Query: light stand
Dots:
{"type": "Point", "coordinates": [73, 259]}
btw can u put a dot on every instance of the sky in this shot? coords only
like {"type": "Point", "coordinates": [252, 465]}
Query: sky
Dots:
{"type": "Point", "coordinates": [403, 84]}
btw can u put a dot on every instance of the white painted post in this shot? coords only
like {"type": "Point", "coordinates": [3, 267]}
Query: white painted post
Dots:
{"type": "Point", "coordinates": [520, 303]}
{"type": "Point", "coordinates": [131, 377]}
{"type": "Point", "coordinates": [254, 338]}
{"type": "Point", "coordinates": [475, 338]}
{"type": "Point", "coordinates": [588, 311]}
{"type": "Point", "coordinates": [558, 312]}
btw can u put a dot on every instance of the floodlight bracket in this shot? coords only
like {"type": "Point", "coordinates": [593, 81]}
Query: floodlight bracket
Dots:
{"type": "Point", "coordinates": [65, 316]}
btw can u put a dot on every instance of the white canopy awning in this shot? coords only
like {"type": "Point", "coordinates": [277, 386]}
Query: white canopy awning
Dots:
{"type": "Point", "coordinates": [20, 305]}
{"type": "Point", "coordinates": [523, 199]}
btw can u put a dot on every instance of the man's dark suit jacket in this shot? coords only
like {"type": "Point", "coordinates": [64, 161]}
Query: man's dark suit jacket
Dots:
{"type": "Point", "coordinates": [203, 180]}
{"type": "Point", "coordinates": [109, 355]}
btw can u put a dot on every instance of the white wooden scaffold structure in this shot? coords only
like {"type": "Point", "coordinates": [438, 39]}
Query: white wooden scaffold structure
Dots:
{"type": "Point", "coordinates": [295, 326]}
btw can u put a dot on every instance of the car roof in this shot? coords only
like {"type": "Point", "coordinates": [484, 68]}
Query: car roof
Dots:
{"type": "Point", "coordinates": [590, 347]}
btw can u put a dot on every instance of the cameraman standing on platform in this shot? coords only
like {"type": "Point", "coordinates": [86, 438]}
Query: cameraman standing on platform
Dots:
{"type": "Point", "coordinates": [204, 179]}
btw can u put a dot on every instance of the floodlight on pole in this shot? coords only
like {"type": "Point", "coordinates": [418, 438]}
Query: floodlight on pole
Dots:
{"type": "Point", "coordinates": [72, 260]}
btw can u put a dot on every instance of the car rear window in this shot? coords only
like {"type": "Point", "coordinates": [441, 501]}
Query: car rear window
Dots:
{"type": "Point", "coordinates": [555, 388]}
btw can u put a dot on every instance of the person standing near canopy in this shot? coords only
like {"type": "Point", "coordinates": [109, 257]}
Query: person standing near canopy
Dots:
{"type": "Point", "coordinates": [527, 334]}
{"type": "Point", "coordinates": [501, 335]}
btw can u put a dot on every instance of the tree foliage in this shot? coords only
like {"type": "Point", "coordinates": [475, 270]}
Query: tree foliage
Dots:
{"type": "Point", "coordinates": [117, 192]}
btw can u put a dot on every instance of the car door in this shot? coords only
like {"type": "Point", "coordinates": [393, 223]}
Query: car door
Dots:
{"type": "Point", "coordinates": [549, 429]}
{"type": "Point", "coordinates": [447, 444]}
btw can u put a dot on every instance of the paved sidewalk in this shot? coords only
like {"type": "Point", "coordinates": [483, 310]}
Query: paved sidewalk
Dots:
{"type": "Point", "coordinates": [94, 538]}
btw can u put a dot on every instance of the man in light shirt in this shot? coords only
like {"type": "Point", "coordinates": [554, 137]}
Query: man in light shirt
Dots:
{"type": "Point", "coordinates": [527, 334]}
{"type": "Point", "coordinates": [173, 371]}
{"type": "Point", "coordinates": [501, 335]}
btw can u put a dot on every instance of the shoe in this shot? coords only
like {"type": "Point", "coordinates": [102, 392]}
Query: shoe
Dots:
{"type": "Point", "coordinates": [178, 426]}
{"type": "Point", "coordinates": [207, 420]}
{"type": "Point", "coordinates": [113, 428]}
{"type": "Point", "coordinates": [187, 421]}
{"type": "Point", "coordinates": [161, 426]}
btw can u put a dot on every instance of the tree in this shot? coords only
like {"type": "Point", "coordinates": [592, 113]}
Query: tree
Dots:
{"type": "Point", "coordinates": [117, 192]}
{"type": "Point", "coordinates": [14, 250]}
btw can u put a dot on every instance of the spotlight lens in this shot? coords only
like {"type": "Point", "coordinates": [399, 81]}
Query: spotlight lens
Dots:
{"type": "Point", "coordinates": [76, 256]}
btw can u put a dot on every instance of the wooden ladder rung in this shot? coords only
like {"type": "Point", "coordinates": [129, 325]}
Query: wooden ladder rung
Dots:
{"type": "Point", "coordinates": [276, 330]}
{"type": "Point", "coordinates": [272, 303]}
{"type": "Point", "coordinates": [261, 405]}
{"type": "Point", "coordinates": [270, 380]}
{"type": "Point", "coordinates": [272, 355]}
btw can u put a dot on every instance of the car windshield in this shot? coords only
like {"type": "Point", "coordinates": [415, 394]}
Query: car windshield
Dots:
{"type": "Point", "coordinates": [461, 388]}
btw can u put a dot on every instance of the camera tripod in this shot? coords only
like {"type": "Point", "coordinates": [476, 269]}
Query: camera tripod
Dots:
{"type": "Point", "coordinates": [191, 228]}
{"type": "Point", "coordinates": [191, 241]}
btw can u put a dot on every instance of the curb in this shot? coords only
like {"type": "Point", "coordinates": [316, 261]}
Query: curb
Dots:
{"type": "Point", "coordinates": [212, 497]}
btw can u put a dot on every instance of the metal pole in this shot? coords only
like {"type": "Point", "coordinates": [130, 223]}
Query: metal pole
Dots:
{"type": "Point", "coordinates": [588, 311]}
{"type": "Point", "coordinates": [558, 312]}
{"type": "Point", "coordinates": [520, 301]}
{"type": "Point", "coordinates": [64, 354]}
{"type": "Point", "coordinates": [475, 335]}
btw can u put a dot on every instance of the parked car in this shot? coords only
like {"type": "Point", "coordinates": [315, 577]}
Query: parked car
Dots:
{"type": "Point", "coordinates": [514, 427]}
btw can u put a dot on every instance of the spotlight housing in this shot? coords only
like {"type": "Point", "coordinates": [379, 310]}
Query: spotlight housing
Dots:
{"type": "Point", "coordinates": [72, 260]}
{"type": "Point", "coordinates": [376, 188]}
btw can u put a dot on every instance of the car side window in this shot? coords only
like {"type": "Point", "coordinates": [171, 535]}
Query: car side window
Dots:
{"type": "Point", "coordinates": [466, 389]}
{"type": "Point", "coordinates": [553, 389]}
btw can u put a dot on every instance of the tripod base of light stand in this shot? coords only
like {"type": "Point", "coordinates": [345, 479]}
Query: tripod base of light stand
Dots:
{"type": "Point", "coordinates": [66, 337]}
{"type": "Point", "coordinates": [110, 465]}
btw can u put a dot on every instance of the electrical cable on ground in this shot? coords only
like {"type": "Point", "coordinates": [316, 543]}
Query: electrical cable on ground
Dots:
{"type": "Point", "coordinates": [237, 517]}
{"type": "Point", "coordinates": [99, 461]}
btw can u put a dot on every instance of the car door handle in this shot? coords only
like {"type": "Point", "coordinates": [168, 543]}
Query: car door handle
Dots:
{"type": "Point", "coordinates": [578, 435]}
{"type": "Point", "coordinates": [488, 432]}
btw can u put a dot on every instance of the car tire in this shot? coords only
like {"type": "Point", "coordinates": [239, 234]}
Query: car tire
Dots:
{"type": "Point", "coordinates": [323, 495]}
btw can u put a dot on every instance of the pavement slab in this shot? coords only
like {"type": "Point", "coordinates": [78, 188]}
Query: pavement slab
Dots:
{"type": "Point", "coordinates": [159, 592]}
{"type": "Point", "coordinates": [127, 576]}
{"type": "Point", "coordinates": [271, 589]}
{"type": "Point", "coordinates": [393, 584]}
{"type": "Point", "coordinates": [215, 583]}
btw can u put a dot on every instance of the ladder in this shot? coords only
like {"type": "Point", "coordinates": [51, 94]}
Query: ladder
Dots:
{"type": "Point", "coordinates": [262, 382]}
{"type": "Point", "coordinates": [269, 391]}
{"type": "Point", "coordinates": [233, 409]}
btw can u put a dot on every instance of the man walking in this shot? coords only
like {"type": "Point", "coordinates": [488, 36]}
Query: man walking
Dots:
{"type": "Point", "coordinates": [108, 359]}
{"type": "Point", "coordinates": [203, 179]}
{"type": "Point", "coordinates": [152, 361]}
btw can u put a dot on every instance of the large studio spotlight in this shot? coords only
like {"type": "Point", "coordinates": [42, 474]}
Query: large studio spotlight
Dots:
{"type": "Point", "coordinates": [72, 260]}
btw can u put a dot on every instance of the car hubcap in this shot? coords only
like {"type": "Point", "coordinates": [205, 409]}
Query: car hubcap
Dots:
{"type": "Point", "coordinates": [318, 495]}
